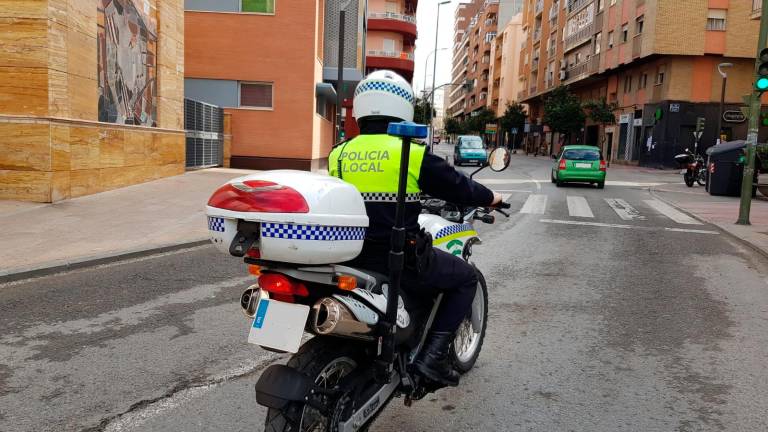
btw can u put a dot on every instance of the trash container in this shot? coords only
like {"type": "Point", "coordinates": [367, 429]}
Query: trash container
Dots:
{"type": "Point", "coordinates": [725, 167]}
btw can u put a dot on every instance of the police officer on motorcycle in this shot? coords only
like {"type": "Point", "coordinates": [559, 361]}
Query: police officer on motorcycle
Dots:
{"type": "Point", "coordinates": [371, 162]}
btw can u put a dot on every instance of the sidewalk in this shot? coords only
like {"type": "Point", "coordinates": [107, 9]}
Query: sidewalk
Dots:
{"type": "Point", "coordinates": [720, 211]}
{"type": "Point", "coordinates": [151, 216]}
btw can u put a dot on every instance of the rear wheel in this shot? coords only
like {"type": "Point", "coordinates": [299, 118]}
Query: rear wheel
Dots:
{"type": "Point", "coordinates": [326, 360]}
{"type": "Point", "coordinates": [701, 178]}
{"type": "Point", "coordinates": [688, 177]}
{"type": "Point", "coordinates": [471, 333]}
{"type": "Point", "coordinates": [601, 185]}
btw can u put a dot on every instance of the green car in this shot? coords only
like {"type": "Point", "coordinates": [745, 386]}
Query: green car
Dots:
{"type": "Point", "coordinates": [579, 164]}
{"type": "Point", "coordinates": [469, 149]}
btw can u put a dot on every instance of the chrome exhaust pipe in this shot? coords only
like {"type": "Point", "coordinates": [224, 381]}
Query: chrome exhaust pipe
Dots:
{"type": "Point", "coordinates": [331, 317]}
{"type": "Point", "coordinates": [249, 300]}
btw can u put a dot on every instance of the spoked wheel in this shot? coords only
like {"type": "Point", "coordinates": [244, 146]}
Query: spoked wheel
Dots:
{"type": "Point", "coordinates": [327, 361]}
{"type": "Point", "coordinates": [471, 332]}
{"type": "Point", "coordinates": [701, 179]}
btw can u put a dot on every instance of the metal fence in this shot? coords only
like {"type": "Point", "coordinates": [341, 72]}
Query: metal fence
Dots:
{"type": "Point", "coordinates": [205, 134]}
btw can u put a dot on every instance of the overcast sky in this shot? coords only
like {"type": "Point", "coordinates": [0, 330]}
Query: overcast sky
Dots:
{"type": "Point", "coordinates": [426, 18]}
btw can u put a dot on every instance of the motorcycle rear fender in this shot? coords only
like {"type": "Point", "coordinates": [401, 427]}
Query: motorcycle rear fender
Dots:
{"type": "Point", "coordinates": [280, 385]}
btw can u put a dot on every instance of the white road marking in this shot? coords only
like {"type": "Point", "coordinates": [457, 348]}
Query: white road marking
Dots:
{"type": "Point", "coordinates": [538, 182]}
{"type": "Point", "coordinates": [671, 212]}
{"type": "Point", "coordinates": [578, 207]}
{"type": "Point", "coordinates": [643, 228]}
{"type": "Point", "coordinates": [535, 204]}
{"type": "Point", "coordinates": [501, 191]}
{"type": "Point", "coordinates": [624, 210]}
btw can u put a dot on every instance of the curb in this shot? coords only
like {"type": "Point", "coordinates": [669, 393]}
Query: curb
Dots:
{"type": "Point", "coordinates": [733, 236]}
{"type": "Point", "coordinates": [86, 262]}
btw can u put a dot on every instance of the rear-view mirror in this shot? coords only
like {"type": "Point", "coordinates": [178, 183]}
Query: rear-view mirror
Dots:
{"type": "Point", "coordinates": [499, 159]}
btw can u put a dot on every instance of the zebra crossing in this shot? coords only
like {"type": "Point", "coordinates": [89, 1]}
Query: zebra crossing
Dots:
{"type": "Point", "coordinates": [580, 210]}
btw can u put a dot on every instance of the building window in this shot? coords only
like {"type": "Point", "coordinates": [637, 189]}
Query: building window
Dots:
{"type": "Point", "coordinates": [391, 6]}
{"type": "Point", "coordinates": [600, 5]}
{"type": "Point", "coordinates": [613, 2]}
{"type": "Point", "coordinates": [388, 45]}
{"type": "Point", "coordinates": [256, 95]}
{"type": "Point", "coordinates": [258, 6]}
{"type": "Point", "coordinates": [610, 39]}
{"type": "Point", "coordinates": [643, 82]}
{"type": "Point", "coordinates": [624, 33]}
{"type": "Point", "coordinates": [627, 84]}
{"type": "Point", "coordinates": [660, 75]}
{"type": "Point", "coordinates": [598, 41]}
{"type": "Point", "coordinates": [716, 19]}
{"type": "Point", "coordinates": [639, 25]}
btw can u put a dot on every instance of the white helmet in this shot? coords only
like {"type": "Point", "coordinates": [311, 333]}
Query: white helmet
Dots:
{"type": "Point", "coordinates": [383, 93]}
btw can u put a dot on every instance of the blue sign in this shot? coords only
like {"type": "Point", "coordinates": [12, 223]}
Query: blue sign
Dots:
{"type": "Point", "coordinates": [514, 131]}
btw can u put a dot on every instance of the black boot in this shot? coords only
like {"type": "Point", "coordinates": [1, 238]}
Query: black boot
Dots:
{"type": "Point", "coordinates": [433, 362]}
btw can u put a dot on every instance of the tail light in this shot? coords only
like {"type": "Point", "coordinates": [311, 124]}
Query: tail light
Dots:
{"type": "Point", "coordinates": [258, 196]}
{"type": "Point", "coordinates": [603, 165]}
{"type": "Point", "coordinates": [712, 168]}
{"type": "Point", "coordinates": [278, 284]}
{"type": "Point", "coordinates": [562, 164]}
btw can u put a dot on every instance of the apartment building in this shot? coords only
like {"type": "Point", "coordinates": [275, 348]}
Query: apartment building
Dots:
{"type": "Point", "coordinates": [505, 69]}
{"type": "Point", "coordinates": [272, 66]}
{"type": "Point", "coordinates": [474, 32]}
{"type": "Point", "coordinates": [391, 37]}
{"type": "Point", "coordinates": [656, 60]}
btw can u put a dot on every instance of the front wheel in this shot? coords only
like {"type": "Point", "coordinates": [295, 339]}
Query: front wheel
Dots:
{"type": "Point", "coordinates": [471, 333]}
{"type": "Point", "coordinates": [701, 179]}
{"type": "Point", "coordinates": [326, 360]}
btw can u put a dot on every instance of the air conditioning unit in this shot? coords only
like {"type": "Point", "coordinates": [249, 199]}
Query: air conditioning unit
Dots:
{"type": "Point", "coordinates": [563, 75]}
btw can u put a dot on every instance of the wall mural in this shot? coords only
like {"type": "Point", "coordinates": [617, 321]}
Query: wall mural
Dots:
{"type": "Point", "coordinates": [127, 62]}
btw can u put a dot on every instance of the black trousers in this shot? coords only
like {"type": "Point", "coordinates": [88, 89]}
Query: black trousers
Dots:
{"type": "Point", "coordinates": [448, 274]}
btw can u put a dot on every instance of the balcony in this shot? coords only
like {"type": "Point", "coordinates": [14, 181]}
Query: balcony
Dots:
{"type": "Point", "coordinates": [637, 46]}
{"type": "Point", "coordinates": [533, 89]}
{"type": "Point", "coordinates": [400, 61]}
{"type": "Point", "coordinates": [579, 38]}
{"type": "Point", "coordinates": [395, 22]}
{"type": "Point", "coordinates": [537, 35]}
{"type": "Point", "coordinates": [538, 8]}
{"type": "Point", "coordinates": [583, 69]}
{"type": "Point", "coordinates": [757, 6]}
{"type": "Point", "coordinates": [575, 5]}
{"type": "Point", "coordinates": [535, 64]}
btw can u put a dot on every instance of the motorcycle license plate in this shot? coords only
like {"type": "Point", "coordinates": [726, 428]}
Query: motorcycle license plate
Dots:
{"type": "Point", "coordinates": [278, 325]}
{"type": "Point", "coordinates": [683, 171]}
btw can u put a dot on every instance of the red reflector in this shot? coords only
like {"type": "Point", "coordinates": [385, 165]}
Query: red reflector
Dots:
{"type": "Point", "coordinates": [276, 283]}
{"type": "Point", "coordinates": [603, 165]}
{"type": "Point", "coordinates": [258, 196]}
{"type": "Point", "coordinates": [712, 168]}
{"type": "Point", "coordinates": [287, 298]}
{"type": "Point", "coordinates": [253, 253]}
{"type": "Point", "coordinates": [562, 164]}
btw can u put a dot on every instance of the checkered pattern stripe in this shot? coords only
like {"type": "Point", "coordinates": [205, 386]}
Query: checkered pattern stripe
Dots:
{"type": "Point", "coordinates": [389, 197]}
{"type": "Point", "coordinates": [216, 224]}
{"type": "Point", "coordinates": [453, 229]}
{"type": "Point", "coordinates": [311, 232]}
{"type": "Point", "coordinates": [385, 87]}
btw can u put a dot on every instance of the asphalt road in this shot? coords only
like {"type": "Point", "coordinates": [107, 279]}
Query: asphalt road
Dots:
{"type": "Point", "coordinates": [598, 323]}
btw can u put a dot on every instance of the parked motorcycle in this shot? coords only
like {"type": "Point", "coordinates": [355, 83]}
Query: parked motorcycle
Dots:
{"type": "Point", "coordinates": [694, 168]}
{"type": "Point", "coordinates": [295, 230]}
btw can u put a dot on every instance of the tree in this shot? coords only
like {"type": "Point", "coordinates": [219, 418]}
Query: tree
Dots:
{"type": "Point", "coordinates": [514, 117]}
{"type": "Point", "coordinates": [476, 123]}
{"type": "Point", "coordinates": [454, 127]}
{"type": "Point", "coordinates": [419, 112]}
{"type": "Point", "coordinates": [563, 112]}
{"type": "Point", "coordinates": [601, 112]}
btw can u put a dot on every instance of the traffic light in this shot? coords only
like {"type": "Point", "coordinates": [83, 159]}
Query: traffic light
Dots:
{"type": "Point", "coordinates": [761, 83]}
{"type": "Point", "coordinates": [764, 119]}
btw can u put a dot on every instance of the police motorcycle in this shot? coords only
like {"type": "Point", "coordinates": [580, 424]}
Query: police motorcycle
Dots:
{"type": "Point", "coordinates": [295, 230]}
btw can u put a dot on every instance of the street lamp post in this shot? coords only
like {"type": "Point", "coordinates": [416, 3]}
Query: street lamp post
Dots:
{"type": "Point", "coordinates": [424, 93]}
{"type": "Point", "coordinates": [722, 100]}
{"type": "Point", "coordinates": [434, 70]}
{"type": "Point", "coordinates": [340, 71]}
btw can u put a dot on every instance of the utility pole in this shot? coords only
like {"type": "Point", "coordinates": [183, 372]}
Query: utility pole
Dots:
{"type": "Point", "coordinates": [340, 71]}
{"type": "Point", "coordinates": [754, 114]}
